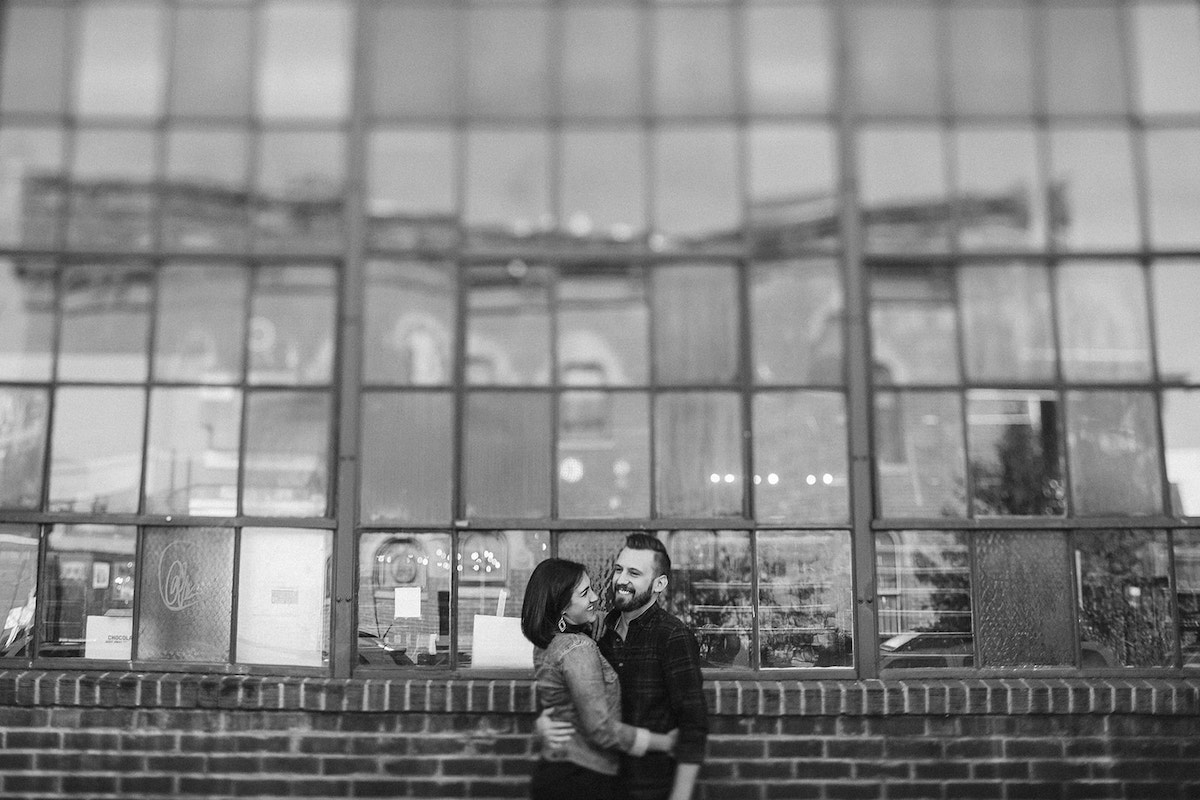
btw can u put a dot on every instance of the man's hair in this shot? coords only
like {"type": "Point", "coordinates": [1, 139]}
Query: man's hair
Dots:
{"type": "Point", "coordinates": [546, 597]}
{"type": "Point", "coordinates": [644, 541]}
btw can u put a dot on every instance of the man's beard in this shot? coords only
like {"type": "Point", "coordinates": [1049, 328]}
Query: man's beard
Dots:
{"type": "Point", "coordinates": [625, 602]}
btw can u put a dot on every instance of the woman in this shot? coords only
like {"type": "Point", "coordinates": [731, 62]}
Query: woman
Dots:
{"type": "Point", "coordinates": [575, 681]}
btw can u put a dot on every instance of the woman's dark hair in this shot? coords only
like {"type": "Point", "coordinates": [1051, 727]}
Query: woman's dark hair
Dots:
{"type": "Point", "coordinates": [546, 595]}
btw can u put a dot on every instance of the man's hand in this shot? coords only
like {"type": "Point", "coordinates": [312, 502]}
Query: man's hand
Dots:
{"type": "Point", "coordinates": [553, 733]}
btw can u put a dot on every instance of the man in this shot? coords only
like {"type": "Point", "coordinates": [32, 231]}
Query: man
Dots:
{"type": "Point", "coordinates": [658, 662]}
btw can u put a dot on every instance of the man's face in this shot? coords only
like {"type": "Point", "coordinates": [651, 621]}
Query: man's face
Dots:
{"type": "Point", "coordinates": [635, 579]}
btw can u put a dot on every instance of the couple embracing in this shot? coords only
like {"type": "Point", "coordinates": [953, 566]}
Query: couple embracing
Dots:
{"type": "Point", "coordinates": [624, 717]}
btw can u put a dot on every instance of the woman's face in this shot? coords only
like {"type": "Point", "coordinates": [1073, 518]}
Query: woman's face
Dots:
{"type": "Point", "coordinates": [582, 608]}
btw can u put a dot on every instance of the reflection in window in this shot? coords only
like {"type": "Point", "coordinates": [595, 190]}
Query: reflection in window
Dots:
{"type": "Point", "coordinates": [304, 67]}
{"type": "Point", "coordinates": [507, 455]}
{"type": "Point", "coordinates": [200, 323]}
{"type": "Point", "coordinates": [894, 50]}
{"type": "Point", "coordinates": [696, 182]}
{"type": "Point", "coordinates": [805, 598]}
{"type": "Point", "coordinates": [904, 190]}
{"type": "Point", "coordinates": [19, 555]}
{"type": "Point", "coordinates": [602, 323]}
{"type": "Point", "coordinates": [507, 184]}
{"type": "Point", "coordinates": [493, 569]}
{"type": "Point", "coordinates": [96, 450]}
{"type": "Point", "coordinates": [283, 597]}
{"type": "Point", "coordinates": [87, 588]}
{"type": "Point", "coordinates": [601, 59]}
{"type": "Point", "coordinates": [507, 61]}
{"type": "Point", "coordinates": [26, 318]}
{"type": "Point", "coordinates": [24, 420]}
{"type": "Point", "coordinates": [930, 610]}
{"type": "Point", "coordinates": [698, 454]}
{"type": "Point", "coordinates": [33, 71]}
{"type": "Point", "coordinates": [1124, 599]}
{"type": "Point", "coordinates": [210, 73]}
{"type": "Point", "coordinates": [1167, 49]}
{"type": "Point", "coordinates": [789, 58]}
{"type": "Point", "coordinates": [407, 444]}
{"type": "Point", "coordinates": [710, 592]}
{"type": "Point", "coordinates": [301, 177]}
{"type": "Point", "coordinates": [603, 191]}
{"type": "Point", "coordinates": [508, 325]}
{"type": "Point", "coordinates": [410, 311]}
{"type": "Point", "coordinates": [999, 197]}
{"type": "Point", "coordinates": [793, 188]}
{"type": "Point", "coordinates": [1112, 442]}
{"type": "Point", "coordinates": [411, 184]}
{"type": "Point", "coordinates": [32, 155]}
{"type": "Point", "coordinates": [204, 197]}
{"type": "Point", "coordinates": [186, 591]}
{"type": "Point", "coordinates": [192, 452]}
{"type": "Point", "coordinates": [693, 60]}
{"type": "Point", "coordinates": [797, 317]}
{"type": "Point", "coordinates": [403, 599]}
{"type": "Point", "coordinates": [1006, 321]}
{"type": "Point", "coordinates": [1015, 447]}
{"type": "Point", "coordinates": [1093, 201]}
{"type": "Point", "coordinates": [1187, 593]}
{"type": "Point", "coordinates": [695, 331]}
{"type": "Point", "coordinates": [286, 471]}
{"type": "Point", "coordinates": [991, 51]}
{"type": "Point", "coordinates": [1084, 65]}
{"type": "Point", "coordinates": [121, 68]}
{"type": "Point", "coordinates": [801, 472]}
{"type": "Point", "coordinates": [292, 325]}
{"type": "Point", "coordinates": [1173, 167]}
{"type": "Point", "coordinates": [1104, 325]}
{"type": "Point", "coordinates": [112, 199]}
{"type": "Point", "coordinates": [1176, 294]}
{"type": "Point", "coordinates": [1181, 437]}
{"type": "Point", "coordinates": [921, 466]}
{"type": "Point", "coordinates": [603, 454]}
{"type": "Point", "coordinates": [913, 325]}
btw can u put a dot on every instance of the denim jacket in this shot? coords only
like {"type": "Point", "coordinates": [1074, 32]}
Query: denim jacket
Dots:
{"type": "Point", "coordinates": [582, 688]}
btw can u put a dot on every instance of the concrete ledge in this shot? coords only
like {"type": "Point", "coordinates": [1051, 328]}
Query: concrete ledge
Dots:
{"type": "Point", "coordinates": [739, 698]}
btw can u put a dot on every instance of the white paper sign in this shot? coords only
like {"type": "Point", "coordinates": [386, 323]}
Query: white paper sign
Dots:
{"type": "Point", "coordinates": [109, 637]}
{"type": "Point", "coordinates": [408, 602]}
{"type": "Point", "coordinates": [498, 642]}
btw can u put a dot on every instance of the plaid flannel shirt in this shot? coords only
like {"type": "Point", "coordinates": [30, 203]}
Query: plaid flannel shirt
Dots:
{"type": "Point", "coordinates": [661, 688]}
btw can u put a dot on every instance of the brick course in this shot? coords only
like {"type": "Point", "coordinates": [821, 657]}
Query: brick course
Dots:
{"type": "Point", "coordinates": [150, 735]}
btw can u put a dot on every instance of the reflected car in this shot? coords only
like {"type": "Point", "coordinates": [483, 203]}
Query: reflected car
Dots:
{"type": "Point", "coordinates": [927, 650]}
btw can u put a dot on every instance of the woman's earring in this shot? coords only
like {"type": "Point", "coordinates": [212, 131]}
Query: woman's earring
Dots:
{"type": "Point", "coordinates": [562, 624]}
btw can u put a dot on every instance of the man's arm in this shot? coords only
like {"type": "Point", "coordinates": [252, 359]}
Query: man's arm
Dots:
{"type": "Point", "coordinates": [685, 691]}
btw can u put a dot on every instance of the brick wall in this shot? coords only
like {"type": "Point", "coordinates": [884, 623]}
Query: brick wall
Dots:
{"type": "Point", "coordinates": [128, 735]}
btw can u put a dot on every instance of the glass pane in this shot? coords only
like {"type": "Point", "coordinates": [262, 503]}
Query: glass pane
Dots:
{"type": "Point", "coordinates": [32, 155]}
{"type": "Point", "coordinates": [186, 590]}
{"type": "Point", "coordinates": [710, 593]}
{"type": "Point", "coordinates": [698, 454]}
{"type": "Point", "coordinates": [1173, 175]}
{"type": "Point", "coordinates": [894, 58]}
{"type": "Point", "coordinates": [793, 188]}
{"type": "Point", "coordinates": [292, 325]}
{"type": "Point", "coordinates": [789, 58]}
{"type": "Point", "coordinates": [1024, 590]}
{"type": "Point", "coordinates": [697, 198]}
{"type": "Point", "coordinates": [602, 197]}
{"type": "Point", "coordinates": [412, 185]}
{"type": "Point", "coordinates": [924, 598]}
{"type": "Point", "coordinates": [199, 325]}
{"type": "Point", "coordinates": [1016, 452]}
{"type": "Point", "coordinates": [1000, 199]}
{"type": "Point", "coordinates": [24, 417]}
{"type": "Point", "coordinates": [121, 64]}
{"type": "Point", "coordinates": [920, 463]}
{"type": "Point", "coordinates": [507, 61]}
{"type": "Point", "coordinates": [992, 58]}
{"type": "Point", "coordinates": [96, 450]}
{"type": "Point", "coordinates": [904, 191]}
{"type": "Point", "coordinates": [112, 201]}
{"type": "Point", "coordinates": [695, 323]}
{"type": "Point", "coordinates": [287, 454]}
{"type": "Point", "coordinates": [88, 586]}
{"type": "Point", "coordinates": [601, 59]}
{"type": "Point", "coordinates": [304, 67]}
{"type": "Point", "coordinates": [801, 472]}
{"type": "Point", "coordinates": [26, 318]}
{"type": "Point", "coordinates": [1092, 196]}
{"type": "Point", "coordinates": [493, 570]}
{"type": "Point", "coordinates": [1181, 437]}
{"type": "Point", "coordinates": [403, 599]}
{"type": "Point", "coordinates": [508, 193]}
{"type": "Point", "coordinates": [507, 455]}
{"type": "Point", "coordinates": [1176, 295]}
{"type": "Point", "coordinates": [693, 60]}
{"type": "Point", "coordinates": [204, 206]}
{"type": "Point", "coordinates": [603, 454]}
{"type": "Point", "coordinates": [410, 323]}
{"type": "Point", "coordinates": [1166, 39]}
{"type": "Point", "coordinates": [1006, 321]}
{"type": "Point", "coordinates": [603, 320]}
{"type": "Point", "coordinates": [210, 74]}
{"type": "Point", "coordinates": [806, 599]}
{"type": "Point", "coordinates": [797, 318]}
{"type": "Point", "coordinates": [597, 551]}
{"type": "Point", "coordinates": [106, 322]}
{"type": "Point", "coordinates": [407, 454]}
{"type": "Point", "coordinates": [413, 50]}
{"type": "Point", "coordinates": [301, 177]}
{"type": "Point", "coordinates": [508, 325]}
{"type": "Point", "coordinates": [33, 71]}
{"type": "Point", "coordinates": [1082, 48]}
{"type": "Point", "coordinates": [283, 597]}
{"type": "Point", "coordinates": [1187, 594]}
{"type": "Point", "coordinates": [1124, 599]}
{"type": "Point", "coordinates": [18, 574]}
{"type": "Point", "coordinates": [192, 455]}
{"type": "Point", "coordinates": [1105, 327]}
{"type": "Point", "coordinates": [1112, 443]}
{"type": "Point", "coordinates": [913, 325]}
